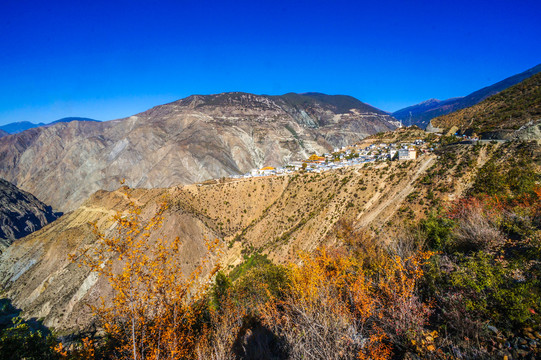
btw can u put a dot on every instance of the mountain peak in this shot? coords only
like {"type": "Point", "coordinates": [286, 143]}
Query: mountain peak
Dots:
{"type": "Point", "coordinates": [190, 140]}
{"type": "Point", "coordinates": [430, 102]}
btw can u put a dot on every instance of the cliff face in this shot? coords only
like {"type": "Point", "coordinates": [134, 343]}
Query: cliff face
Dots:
{"type": "Point", "coordinates": [20, 213]}
{"type": "Point", "coordinates": [187, 141]}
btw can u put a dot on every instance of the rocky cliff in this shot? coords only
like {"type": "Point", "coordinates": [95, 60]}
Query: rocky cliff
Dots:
{"type": "Point", "coordinates": [20, 213]}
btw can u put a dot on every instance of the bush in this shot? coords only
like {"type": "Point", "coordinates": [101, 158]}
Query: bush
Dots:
{"type": "Point", "coordinates": [473, 290]}
{"type": "Point", "coordinates": [21, 341]}
{"type": "Point", "coordinates": [258, 284]}
{"type": "Point", "coordinates": [438, 230]}
{"type": "Point", "coordinates": [476, 227]}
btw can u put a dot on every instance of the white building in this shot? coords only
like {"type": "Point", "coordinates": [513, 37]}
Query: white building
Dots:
{"type": "Point", "coordinates": [407, 154]}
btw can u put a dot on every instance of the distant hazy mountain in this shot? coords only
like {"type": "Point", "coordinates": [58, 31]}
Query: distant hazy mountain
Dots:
{"type": "Point", "coordinates": [501, 114]}
{"type": "Point", "coordinates": [17, 127]}
{"type": "Point", "coordinates": [189, 140]}
{"type": "Point", "coordinates": [422, 113]}
{"type": "Point", "coordinates": [20, 213]}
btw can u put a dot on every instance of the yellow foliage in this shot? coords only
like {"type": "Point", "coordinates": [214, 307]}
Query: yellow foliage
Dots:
{"type": "Point", "coordinates": [337, 309]}
{"type": "Point", "coordinates": [152, 311]}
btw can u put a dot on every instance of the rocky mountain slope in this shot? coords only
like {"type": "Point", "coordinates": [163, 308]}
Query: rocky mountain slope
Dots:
{"type": "Point", "coordinates": [422, 113]}
{"type": "Point", "coordinates": [20, 213]}
{"type": "Point", "coordinates": [3, 133]}
{"type": "Point", "coordinates": [187, 141]}
{"type": "Point", "coordinates": [20, 126]}
{"type": "Point", "coordinates": [504, 113]}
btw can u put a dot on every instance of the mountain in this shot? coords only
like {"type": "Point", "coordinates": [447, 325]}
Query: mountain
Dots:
{"type": "Point", "coordinates": [3, 133]}
{"type": "Point", "coordinates": [20, 213]}
{"type": "Point", "coordinates": [70, 119]}
{"type": "Point", "coordinates": [186, 141]}
{"type": "Point", "coordinates": [422, 113]}
{"type": "Point", "coordinates": [506, 112]}
{"type": "Point", "coordinates": [17, 127]}
{"type": "Point", "coordinates": [340, 104]}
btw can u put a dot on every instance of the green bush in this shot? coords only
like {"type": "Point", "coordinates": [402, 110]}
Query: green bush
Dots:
{"type": "Point", "coordinates": [438, 230]}
{"type": "Point", "coordinates": [251, 283]}
{"type": "Point", "coordinates": [21, 341]}
{"type": "Point", "coordinates": [490, 291]}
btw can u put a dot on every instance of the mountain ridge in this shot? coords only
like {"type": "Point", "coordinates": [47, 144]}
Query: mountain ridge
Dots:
{"type": "Point", "coordinates": [20, 126]}
{"type": "Point", "coordinates": [422, 113]}
{"type": "Point", "coordinates": [21, 213]}
{"type": "Point", "coordinates": [502, 114]}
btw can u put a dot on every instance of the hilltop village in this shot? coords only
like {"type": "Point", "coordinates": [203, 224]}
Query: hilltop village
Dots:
{"type": "Point", "coordinates": [347, 156]}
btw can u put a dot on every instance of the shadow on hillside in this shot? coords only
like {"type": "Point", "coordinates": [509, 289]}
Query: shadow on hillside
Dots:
{"type": "Point", "coordinates": [257, 342]}
{"type": "Point", "coordinates": [9, 313]}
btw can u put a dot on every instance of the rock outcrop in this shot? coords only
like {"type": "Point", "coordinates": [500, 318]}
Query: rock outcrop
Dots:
{"type": "Point", "coordinates": [20, 213]}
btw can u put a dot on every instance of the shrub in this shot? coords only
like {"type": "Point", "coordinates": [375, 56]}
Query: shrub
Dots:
{"type": "Point", "coordinates": [154, 307]}
{"type": "Point", "coordinates": [476, 227]}
{"type": "Point", "coordinates": [325, 311]}
{"type": "Point", "coordinates": [438, 230]}
{"type": "Point", "coordinates": [21, 341]}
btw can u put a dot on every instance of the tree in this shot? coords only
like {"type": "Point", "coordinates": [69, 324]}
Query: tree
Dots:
{"type": "Point", "coordinates": [153, 309]}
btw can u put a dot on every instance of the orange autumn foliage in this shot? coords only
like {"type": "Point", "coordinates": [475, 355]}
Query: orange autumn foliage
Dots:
{"type": "Point", "coordinates": [152, 312]}
{"type": "Point", "coordinates": [335, 310]}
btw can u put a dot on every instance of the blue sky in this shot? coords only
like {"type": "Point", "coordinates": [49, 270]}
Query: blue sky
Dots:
{"type": "Point", "coordinates": [111, 59]}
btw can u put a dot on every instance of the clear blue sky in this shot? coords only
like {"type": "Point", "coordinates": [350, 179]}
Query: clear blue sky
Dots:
{"type": "Point", "coordinates": [111, 59]}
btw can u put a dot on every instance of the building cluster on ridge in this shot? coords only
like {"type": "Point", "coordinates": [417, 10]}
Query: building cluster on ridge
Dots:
{"type": "Point", "coordinates": [345, 157]}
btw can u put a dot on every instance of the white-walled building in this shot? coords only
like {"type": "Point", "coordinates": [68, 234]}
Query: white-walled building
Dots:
{"type": "Point", "coordinates": [407, 154]}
